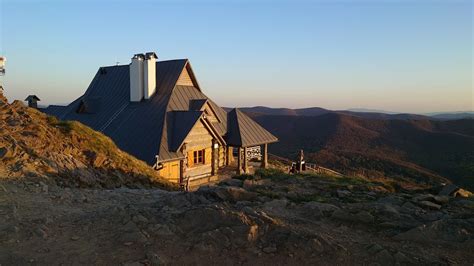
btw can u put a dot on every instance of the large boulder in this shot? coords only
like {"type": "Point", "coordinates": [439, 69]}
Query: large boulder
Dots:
{"type": "Point", "coordinates": [444, 230]}
{"type": "Point", "coordinates": [429, 205]}
{"type": "Point", "coordinates": [448, 190]}
{"type": "Point", "coordinates": [455, 191]}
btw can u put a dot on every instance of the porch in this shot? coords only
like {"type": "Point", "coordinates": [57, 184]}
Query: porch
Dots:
{"type": "Point", "coordinates": [225, 172]}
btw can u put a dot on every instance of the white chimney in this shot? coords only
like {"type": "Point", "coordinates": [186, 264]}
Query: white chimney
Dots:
{"type": "Point", "coordinates": [136, 78]}
{"type": "Point", "coordinates": [150, 74]}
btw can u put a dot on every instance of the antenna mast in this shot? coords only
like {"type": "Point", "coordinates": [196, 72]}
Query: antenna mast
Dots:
{"type": "Point", "coordinates": [2, 65]}
{"type": "Point", "coordinates": [2, 70]}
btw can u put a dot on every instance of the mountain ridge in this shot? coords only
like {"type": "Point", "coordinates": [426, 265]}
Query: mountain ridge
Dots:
{"type": "Point", "coordinates": [360, 112]}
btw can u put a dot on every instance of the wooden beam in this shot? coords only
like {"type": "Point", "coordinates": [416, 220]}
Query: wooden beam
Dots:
{"type": "Point", "coordinates": [265, 156]}
{"type": "Point", "coordinates": [246, 168]}
{"type": "Point", "coordinates": [239, 161]}
{"type": "Point", "coordinates": [215, 155]}
{"type": "Point", "coordinates": [229, 157]}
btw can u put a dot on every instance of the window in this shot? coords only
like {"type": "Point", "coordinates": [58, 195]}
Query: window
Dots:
{"type": "Point", "coordinates": [198, 157]}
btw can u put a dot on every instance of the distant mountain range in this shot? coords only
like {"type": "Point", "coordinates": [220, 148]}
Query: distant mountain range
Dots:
{"type": "Point", "coordinates": [359, 112]}
{"type": "Point", "coordinates": [453, 115]}
{"type": "Point", "coordinates": [398, 146]}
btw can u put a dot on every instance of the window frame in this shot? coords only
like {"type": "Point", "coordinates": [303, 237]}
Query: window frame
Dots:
{"type": "Point", "coordinates": [199, 157]}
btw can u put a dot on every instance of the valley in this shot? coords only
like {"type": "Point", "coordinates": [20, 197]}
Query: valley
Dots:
{"type": "Point", "coordinates": [428, 151]}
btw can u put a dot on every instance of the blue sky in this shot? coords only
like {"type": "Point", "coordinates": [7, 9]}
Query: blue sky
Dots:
{"type": "Point", "coordinates": [405, 56]}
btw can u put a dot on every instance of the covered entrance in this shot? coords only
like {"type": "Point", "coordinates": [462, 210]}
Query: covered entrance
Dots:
{"type": "Point", "coordinates": [249, 138]}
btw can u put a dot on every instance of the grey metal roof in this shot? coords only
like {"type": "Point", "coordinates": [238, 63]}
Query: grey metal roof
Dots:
{"type": "Point", "coordinates": [183, 122]}
{"type": "Point", "coordinates": [54, 110]}
{"type": "Point", "coordinates": [32, 98]}
{"type": "Point", "coordinates": [150, 127]}
{"type": "Point", "coordinates": [244, 132]}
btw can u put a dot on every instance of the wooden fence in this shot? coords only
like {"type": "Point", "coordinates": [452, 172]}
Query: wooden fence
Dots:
{"type": "Point", "coordinates": [309, 166]}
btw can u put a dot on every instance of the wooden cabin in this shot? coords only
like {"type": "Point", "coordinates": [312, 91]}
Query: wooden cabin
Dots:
{"type": "Point", "coordinates": [157, 111]}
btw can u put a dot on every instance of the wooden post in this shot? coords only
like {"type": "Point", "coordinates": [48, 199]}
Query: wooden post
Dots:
{"type": "Point", "coordinates": [182, 169]}
{"type": "Point", "coordinates": [228, 156]}
{"type": "Point", "coordinates": [300, 161]}
{"type": "Point", "coordinates": [214, 162]}
{"type": "Point", "coordinates": [265, 156]}
{"type": "Point", "coordinates": [183, 164]}
{"type": "Point", "coordinates": [246, 170]}
{"type": "Point", "coordinates": [239, 161]}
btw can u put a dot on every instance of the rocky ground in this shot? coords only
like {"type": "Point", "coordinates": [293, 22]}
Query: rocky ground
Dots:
{"type": "Point", "coordinates": [269, 218]}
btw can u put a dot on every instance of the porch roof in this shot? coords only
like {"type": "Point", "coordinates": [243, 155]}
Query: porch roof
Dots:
{"type": "Point", "coordinates": [242, 131]}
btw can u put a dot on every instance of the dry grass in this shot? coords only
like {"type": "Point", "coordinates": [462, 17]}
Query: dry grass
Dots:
{"type": "Point", "coordinates": [74, 154]}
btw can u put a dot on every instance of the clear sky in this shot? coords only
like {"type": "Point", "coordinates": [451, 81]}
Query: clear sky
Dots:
{"type": "Point", "coordinates": [405, 56]}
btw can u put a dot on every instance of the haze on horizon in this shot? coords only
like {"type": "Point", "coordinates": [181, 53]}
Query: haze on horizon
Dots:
{"type": "Point", "coordinates": [401, 56]}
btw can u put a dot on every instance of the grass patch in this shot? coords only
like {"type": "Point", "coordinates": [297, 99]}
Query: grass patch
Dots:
{"type": "Point", "coordinates": [64, 126]}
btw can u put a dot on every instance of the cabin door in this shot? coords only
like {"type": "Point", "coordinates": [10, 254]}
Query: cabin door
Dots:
{"type": "Point", "coordinates": [174, 171]}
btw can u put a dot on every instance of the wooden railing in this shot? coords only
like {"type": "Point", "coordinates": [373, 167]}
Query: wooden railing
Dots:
{"type": "Point", "coordinates": [322, 170]}
{"type": "Point", "coordinates": [309, 166]}
{"type": "Point", "coordinates": [272, 156]}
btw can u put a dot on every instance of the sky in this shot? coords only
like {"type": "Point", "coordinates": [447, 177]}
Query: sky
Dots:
{"type": "Point", "coordinates": [401, 56]}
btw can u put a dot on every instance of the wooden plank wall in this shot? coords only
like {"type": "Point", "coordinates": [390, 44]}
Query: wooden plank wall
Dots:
{"type": "Point", "coordinates": [185, 79]}
{"type": "Point", "coordinates": [170, 171]}
{"type": "Point", "coordinates": [199, 138]}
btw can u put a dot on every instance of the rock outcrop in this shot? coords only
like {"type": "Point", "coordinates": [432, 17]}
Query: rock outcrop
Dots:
{"type": "Point", "coordinates": [34, 145]}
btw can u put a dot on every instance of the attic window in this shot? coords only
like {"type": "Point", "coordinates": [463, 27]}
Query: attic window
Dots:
{"type": "Point", "coordinates": [210, 114]}
{"type": "Point", "coordinates": [89, 106]}
{"type": "Point", "coordinates": [82, 108]}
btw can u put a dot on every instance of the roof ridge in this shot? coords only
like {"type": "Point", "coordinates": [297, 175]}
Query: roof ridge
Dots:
{"type": "Point", "coordinates": [162, 61]}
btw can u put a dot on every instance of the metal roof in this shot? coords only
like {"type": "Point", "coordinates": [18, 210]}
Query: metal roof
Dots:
{"type": "Point", "coordinates": [183, 122]}
{"type": "Point", "coordinates": [54, 110]}
{"type": "Point", "coordinates": [242, 131]}
{"type": "Point", "coordinates": [32, 98]}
